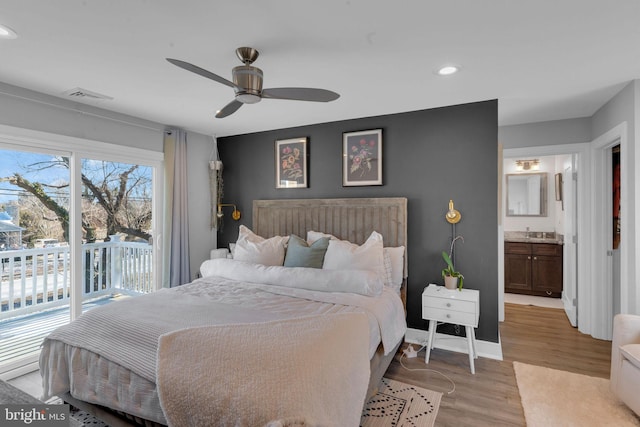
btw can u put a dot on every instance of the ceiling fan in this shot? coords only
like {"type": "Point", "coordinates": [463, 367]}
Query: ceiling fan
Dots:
{"type": "Point", "coordinates": [247, 83]}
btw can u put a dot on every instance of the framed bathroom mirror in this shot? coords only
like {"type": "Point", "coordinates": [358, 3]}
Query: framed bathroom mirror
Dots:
{"type": "Point", "coordinates": [527, 194]}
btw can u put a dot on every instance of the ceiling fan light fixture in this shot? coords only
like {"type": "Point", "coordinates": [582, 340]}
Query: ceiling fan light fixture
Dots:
{"type": "Point", "coordinates": [248, 98]}
{"type": "Point", "coordinates": [250, 80]}
{"type": "Point", "coordinates": [247, 84]}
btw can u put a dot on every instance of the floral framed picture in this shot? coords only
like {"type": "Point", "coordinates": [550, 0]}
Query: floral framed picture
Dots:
{"type": "Point", "coordinates": [362, 158]}
{"type": "Point", "coordinates": [291, 163]}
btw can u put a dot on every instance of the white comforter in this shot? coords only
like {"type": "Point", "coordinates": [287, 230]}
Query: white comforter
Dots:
{"type": "Point", "coordinates": [126, 333]}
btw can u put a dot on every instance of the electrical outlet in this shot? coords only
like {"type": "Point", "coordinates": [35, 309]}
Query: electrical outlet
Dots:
{"type": "Point", "coordinates": [410, 352]}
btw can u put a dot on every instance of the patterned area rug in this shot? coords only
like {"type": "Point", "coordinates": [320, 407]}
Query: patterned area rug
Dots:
{"type": "Point", "coordinates": [85, 419]}
{"type": "Point", "coordinates": [400, 404]}
{"type": "Point", "coordinates": [79, 418]}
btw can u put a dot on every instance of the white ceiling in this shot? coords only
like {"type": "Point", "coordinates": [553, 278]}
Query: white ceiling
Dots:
{"type": "Point", "coordinates": [542, 59]}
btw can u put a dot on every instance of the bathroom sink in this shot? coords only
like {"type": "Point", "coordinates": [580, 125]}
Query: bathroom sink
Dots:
{"type": "Point", "coordinates": [533, 237]}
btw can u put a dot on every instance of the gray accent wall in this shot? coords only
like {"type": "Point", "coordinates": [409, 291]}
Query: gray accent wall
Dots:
{"type": "Point", "coordinates": [429, 156]}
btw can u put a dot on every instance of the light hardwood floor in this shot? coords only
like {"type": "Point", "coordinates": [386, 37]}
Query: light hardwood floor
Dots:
{"type": "Point", "coordinates": [534, 335]}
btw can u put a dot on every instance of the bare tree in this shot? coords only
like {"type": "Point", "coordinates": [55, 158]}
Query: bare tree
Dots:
{"type": "Point", "coordinates": [118, 189]}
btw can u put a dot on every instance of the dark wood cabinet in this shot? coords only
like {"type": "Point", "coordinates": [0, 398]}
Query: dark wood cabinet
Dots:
{"type": "Point", "coordinates": [533, 268]}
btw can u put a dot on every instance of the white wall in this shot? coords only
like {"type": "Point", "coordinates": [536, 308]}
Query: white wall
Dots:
{"type": "Point", "coordinates": [625, 108]}
{"type": "Point", "coordinates": [202, 238]}
{"type": "Point", "coordinates": [555, 132]}
{"type": "Point", "coordinates": [27, 109]}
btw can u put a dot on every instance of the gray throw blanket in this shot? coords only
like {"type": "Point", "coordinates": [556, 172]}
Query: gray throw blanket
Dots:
{"type": "Point", "coordinates": [127, 332]}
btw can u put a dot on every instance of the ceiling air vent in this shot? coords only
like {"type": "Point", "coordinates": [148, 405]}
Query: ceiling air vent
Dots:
{"type": "Point", "coordinates": [84, 93]}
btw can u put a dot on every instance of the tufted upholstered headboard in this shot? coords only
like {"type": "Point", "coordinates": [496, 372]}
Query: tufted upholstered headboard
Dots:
{"type": "Point", "coordinates": [347, 219]}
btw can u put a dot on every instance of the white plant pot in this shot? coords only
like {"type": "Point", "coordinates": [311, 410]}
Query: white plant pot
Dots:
{"type": "Point", "coordinates": [451, 282]}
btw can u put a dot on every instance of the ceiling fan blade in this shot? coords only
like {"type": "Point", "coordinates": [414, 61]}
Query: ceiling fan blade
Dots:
{"type": "Point", "coordinates": [300, 94]}
{"type": "Point", "coordinates": [201, 71]}
{"type": "Point", "coordinates": [229, 109]}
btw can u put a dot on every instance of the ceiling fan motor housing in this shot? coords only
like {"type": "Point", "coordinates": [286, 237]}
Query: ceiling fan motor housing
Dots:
{"type": "Point", "coordinates": [249, 79]}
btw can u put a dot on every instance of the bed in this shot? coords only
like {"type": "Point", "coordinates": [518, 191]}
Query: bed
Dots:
{"type": "Point", "coordinates": [158, 371]}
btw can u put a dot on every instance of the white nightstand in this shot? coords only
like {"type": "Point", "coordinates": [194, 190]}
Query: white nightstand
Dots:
{"type": "Point", "coordinates": [462, 308]}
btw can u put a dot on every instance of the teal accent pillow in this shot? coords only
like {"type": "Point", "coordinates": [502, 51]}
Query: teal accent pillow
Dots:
{"type": "Point", "coordinates": [300, 254]}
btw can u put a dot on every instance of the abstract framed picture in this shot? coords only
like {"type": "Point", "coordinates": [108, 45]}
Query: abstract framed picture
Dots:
{"type": "Point", "coordinates": [291, 163]}
{"type": "Point", "coordinates": [362, 158]}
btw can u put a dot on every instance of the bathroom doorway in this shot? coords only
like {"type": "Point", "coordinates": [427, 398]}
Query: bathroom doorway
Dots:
{"type": "Point", "coordinates": [537, 224]}
{"type": "Point", "coordinates": [566, 217]}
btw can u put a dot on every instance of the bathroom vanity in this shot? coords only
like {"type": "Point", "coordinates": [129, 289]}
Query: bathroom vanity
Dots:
{"type": "Point", "coordinates": [533, 265]}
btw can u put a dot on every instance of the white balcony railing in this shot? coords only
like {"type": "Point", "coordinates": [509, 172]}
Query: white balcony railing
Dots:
{"type": "Point", "coordinates": [39, 279]}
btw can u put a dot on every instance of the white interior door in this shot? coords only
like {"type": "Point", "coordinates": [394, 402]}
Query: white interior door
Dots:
{"type": "Point", "coordinates": [609, 268]}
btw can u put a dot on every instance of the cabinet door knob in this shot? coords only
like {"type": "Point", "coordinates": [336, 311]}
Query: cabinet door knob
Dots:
{"type": "Point", "coordinates": [448, 316]}
{"type": "Point", "coordinates": [535, 258]}
{"type": "Point", "coordinates": [448, 304]}
{"type": "Point", "coordinates": [528, 257]}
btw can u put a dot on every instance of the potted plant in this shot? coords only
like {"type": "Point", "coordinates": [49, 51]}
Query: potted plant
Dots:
{"type": "Point", "coordinates": [452, 278]}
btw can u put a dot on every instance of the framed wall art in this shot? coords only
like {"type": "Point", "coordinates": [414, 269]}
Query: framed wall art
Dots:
{"type": "Point", "coordinates": [291, 163]}
{"type": "Point", "coordinates": [558, 177]}
{"type": "Point", "coordinates": [362, 158]}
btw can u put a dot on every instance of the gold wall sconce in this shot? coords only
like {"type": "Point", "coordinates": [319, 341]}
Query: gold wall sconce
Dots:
{"type": "Point", "coordinates": [525, 165]}
{"type": "Point", "coordinates": [452, 216]}
{"type": "Point", "coordinates": [235, 214]}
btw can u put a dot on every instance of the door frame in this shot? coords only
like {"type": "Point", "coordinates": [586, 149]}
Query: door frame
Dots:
{"type": "Point", "coordinates": [583, 223]}
{"type": "Point", "coordinates": [602, 313]}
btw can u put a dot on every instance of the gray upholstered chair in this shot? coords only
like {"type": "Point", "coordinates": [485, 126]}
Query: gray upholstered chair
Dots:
{"type": "Point", "coordinates": [625, 360]}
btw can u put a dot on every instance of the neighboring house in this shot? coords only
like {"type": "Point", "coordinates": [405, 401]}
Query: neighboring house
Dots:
{"type": "Point", "coordinates": [10, 234]}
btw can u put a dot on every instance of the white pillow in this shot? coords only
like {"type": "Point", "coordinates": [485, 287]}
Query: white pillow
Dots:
{"type": "Point", "coordinates": [344, 255]}
{"type": "Point", "coordinates": [312, 236]}
{"type": "Point", "coordinates": [253, 248]}
{"type": "Point", "coordinates": [219, 253]}
{"type": "Point", "coordinates": [391, 255]}
{"type": "Point", "coordinates": [397, 264]}
{"type": "Point", "coordinates": [388, 272]}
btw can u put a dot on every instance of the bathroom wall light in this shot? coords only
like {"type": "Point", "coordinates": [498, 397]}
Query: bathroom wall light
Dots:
{"type": "Point", "coordinates": [235, 214]}
{"type": "Point", "coordinates": [525, 165]}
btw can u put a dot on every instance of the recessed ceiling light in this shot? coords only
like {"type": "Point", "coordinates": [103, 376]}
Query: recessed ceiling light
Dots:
{"type": "Point", "coordinates": [7, 33]}
{"type": "Point", "coordinates": [447, 70]}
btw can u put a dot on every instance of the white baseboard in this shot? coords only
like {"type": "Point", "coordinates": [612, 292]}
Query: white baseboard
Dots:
{"type": "Point", "coordinates": [490, 350]}
{"type": "Point", "coordinates": [570, 309]}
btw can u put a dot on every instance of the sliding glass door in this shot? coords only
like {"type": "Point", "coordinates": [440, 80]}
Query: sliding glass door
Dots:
{"type": "Point", "coordinates": [77, 230]}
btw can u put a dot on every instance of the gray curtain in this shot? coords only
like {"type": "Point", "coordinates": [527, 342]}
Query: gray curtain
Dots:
{"type": "Point", "coordinates": [179, 270]}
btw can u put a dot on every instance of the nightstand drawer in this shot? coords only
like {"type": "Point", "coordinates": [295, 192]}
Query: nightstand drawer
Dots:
{"type": "Point", "coordinates": [449, 304]}
{"type": "Point", "coordinates": [448, 316]}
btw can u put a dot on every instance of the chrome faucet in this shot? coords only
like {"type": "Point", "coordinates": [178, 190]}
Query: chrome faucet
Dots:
{"type": "Point", "coordinates": [527, 235]}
